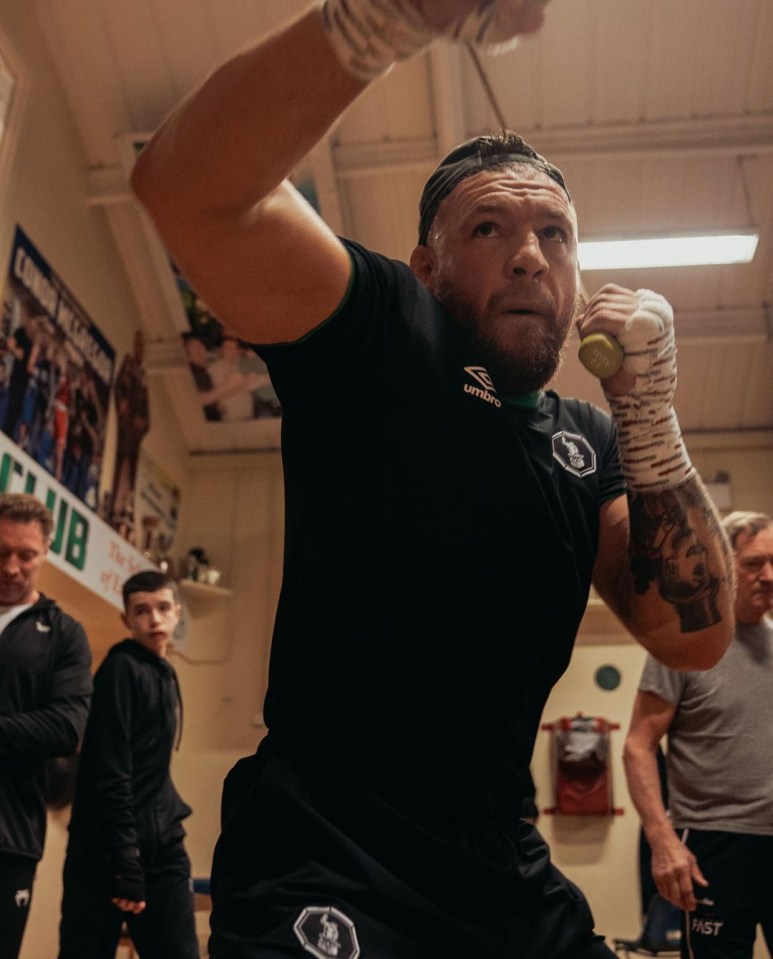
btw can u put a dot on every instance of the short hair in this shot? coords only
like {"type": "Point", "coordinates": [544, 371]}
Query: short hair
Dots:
{"type": "Point", "coordinates": [742, 521]}
{"type": "Point", "coordinates": [25, 508]}
{"type": "Point", "coordinates": [471, 157]}
{"type": "Point", "coordinates": [147, 581]}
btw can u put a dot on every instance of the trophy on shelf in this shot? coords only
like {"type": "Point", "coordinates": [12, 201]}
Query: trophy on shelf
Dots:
{"type": "Point", "coordinates": [149, 527]}
{"type": "Point", "coordinates": [164, 559]}
{"type": "Point", "coordinates": [198, 569]}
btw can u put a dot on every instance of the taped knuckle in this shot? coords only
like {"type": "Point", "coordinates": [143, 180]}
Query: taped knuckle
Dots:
{"type": "Point", "coordinates": [656, 307]}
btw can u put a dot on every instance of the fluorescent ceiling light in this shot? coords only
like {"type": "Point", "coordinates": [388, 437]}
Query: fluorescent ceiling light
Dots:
{"type": "Point", "coordinates": [698, 250]}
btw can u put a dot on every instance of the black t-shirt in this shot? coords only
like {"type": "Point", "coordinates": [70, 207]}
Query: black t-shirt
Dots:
{"type": "Point", "coordinates": [439, 545]}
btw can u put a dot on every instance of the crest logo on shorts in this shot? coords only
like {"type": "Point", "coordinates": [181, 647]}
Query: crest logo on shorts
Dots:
{"type": "Point", "coordinates": [574, 453]}
{"type": "Point", "coordinates": [22, 898]}
{"type": "Point", "coordinates": [327, 933]}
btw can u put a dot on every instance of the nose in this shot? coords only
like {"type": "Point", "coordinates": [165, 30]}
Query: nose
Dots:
{"type": "Point", "coordinates": [527, 258]}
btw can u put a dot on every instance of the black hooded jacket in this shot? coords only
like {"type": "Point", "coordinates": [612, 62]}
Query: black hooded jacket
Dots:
{"type": "Point", "coordinates": [45, 686]}
{"type": "Point", "coordinates": [125, 799]}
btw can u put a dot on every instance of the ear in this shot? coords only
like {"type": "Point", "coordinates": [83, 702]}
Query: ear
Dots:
{"type": "Point", "coordinates": [125, 620]}
{"type": "Point", "coordinates": [423, 264]}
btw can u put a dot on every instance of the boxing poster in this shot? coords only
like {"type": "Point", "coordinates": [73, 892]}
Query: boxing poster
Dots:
{"type": "Point", "coordinates": [231, 383]}
{"type": "Point", "coordinates": [231, 380]}
{"type": "Point", "coordinates": [156, 511]}
{"type": "Point", "coordinates": [132, 408]}
{"type": "Point", "coordinates": [56, 370]}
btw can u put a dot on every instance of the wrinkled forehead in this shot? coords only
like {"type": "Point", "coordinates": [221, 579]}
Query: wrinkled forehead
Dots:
{"type": "Point", "coordinates": [760, 542]}
{"type": "Point", "coordinates": [468, 160]}
{"type": "Point", "coordinates": [498, 184]}
{"type": "Point", "coordinates": [16, 531]}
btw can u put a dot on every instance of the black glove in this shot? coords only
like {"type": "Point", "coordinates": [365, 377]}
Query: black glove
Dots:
{"type": "Point", "coordinates": [127, 880]}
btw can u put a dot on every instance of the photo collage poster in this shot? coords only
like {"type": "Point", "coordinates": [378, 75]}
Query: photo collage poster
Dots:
{"type": "Point", "coordinates": [231, 380]}
{"type": "Point", "coordinates": [56, 372]}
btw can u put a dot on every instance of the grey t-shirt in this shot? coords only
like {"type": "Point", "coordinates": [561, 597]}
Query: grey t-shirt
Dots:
{"type": "Point", "coordinates": [720, 756]}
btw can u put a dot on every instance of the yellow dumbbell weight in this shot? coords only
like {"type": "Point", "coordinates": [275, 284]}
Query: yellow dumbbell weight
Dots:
{"type": "Point", "coordinates": [601, 355]}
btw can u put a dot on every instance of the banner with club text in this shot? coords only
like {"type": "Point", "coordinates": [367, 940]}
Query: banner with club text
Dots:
{"type": "Point", "coordinates": [83, 545]}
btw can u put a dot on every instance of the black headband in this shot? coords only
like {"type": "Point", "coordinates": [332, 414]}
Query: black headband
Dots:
{"type": "Point", "coordinates": [470, 158]}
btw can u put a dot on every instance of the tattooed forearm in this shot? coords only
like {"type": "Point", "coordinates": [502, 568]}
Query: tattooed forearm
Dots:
{"type": "Point", "coordinates": [677, 543]}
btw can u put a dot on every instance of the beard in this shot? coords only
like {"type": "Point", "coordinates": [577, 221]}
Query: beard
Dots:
{"type": "Point", "coordinates": [521, 353]}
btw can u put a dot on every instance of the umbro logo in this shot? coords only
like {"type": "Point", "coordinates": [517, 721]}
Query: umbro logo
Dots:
{"type": "Point", "coordinates": [481, 374]}
{"type": "Point", "coordinates": [485, 389]}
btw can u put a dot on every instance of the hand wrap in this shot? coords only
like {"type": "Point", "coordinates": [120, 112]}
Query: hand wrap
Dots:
{"type": "Point", "coordinates": [652, 451]}
{"type": "Point", "coordinates": [369, 36]}
{"type": "Point", "coordinates": [127, 879]}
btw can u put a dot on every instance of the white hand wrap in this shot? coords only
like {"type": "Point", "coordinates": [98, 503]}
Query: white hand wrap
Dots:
{"type": "Point", "coordinates": [369, 36]}
{"type": "Point", "coordinates": [652, 452]}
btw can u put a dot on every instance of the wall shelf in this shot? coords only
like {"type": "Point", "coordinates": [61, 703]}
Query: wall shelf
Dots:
{"type": "Point", "coordinates": [204, 590]}
{"type": "Point", "coordinates": [204, 634]}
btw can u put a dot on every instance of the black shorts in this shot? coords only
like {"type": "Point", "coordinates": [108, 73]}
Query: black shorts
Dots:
{"type": "Point", "coordinates": [91, 925]}
{"type": "Point", "coordinates": [309, 865]}
{"type": "Point", "coordinates": [17, 874]}
{"type": "Point", "coordinates": [738, 899]}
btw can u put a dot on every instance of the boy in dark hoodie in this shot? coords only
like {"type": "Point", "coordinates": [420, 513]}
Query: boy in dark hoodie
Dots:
{"type": "Point", "coordinates": [125, 860]}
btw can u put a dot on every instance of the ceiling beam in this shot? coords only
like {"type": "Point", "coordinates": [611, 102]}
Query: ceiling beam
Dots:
{"type": "Point", "coordinates": [735, 136]}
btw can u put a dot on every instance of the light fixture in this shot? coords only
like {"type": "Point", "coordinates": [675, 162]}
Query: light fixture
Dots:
{"type": "Point", "coordinates": [702, 249]}
{"type": "Point", "coordinates": [697, 249]}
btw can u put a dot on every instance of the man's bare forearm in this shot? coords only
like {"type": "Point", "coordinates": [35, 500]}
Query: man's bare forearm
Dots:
{"type": "Point", "coordinates": [675, 591]}
{"type": "Point", "coordinates": [641, 772]}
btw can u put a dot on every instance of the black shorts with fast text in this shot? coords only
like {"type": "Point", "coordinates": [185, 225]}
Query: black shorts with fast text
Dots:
{"type": "Point", "coordinates": [738, 899]}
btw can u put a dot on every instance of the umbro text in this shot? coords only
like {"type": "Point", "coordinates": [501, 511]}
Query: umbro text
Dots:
{"type": "Point", "coordinates": [482, 394]}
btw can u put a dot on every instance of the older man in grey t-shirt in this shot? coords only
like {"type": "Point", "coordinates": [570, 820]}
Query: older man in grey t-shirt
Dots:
{"type": "Point", "coordinates": [712, 850]}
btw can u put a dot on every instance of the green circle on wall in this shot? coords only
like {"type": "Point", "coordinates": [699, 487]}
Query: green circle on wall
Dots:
{"type": "Point", "coordinates": [608, 677]}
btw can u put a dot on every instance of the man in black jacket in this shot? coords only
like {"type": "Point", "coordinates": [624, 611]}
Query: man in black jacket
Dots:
{"type": "Point", "coordinates": [125, 859]}
{"type": "Point", "coordinates": [45, 687]}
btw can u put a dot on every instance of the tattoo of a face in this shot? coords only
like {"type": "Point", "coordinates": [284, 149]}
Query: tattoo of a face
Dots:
{"type": "Point", "coordinates": [666, 549]}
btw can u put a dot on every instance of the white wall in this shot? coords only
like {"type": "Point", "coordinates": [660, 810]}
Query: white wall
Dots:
{"type": "Point", "coordinates": [596, 852]}
{"type": "Point", "coordinates": [233, 507]}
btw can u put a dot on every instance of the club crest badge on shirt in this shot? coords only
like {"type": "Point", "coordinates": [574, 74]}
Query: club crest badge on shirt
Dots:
{"type": "Point", "coordinates": [327, 933]}
{"type": "Point", "coordinates": [574, 453]}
